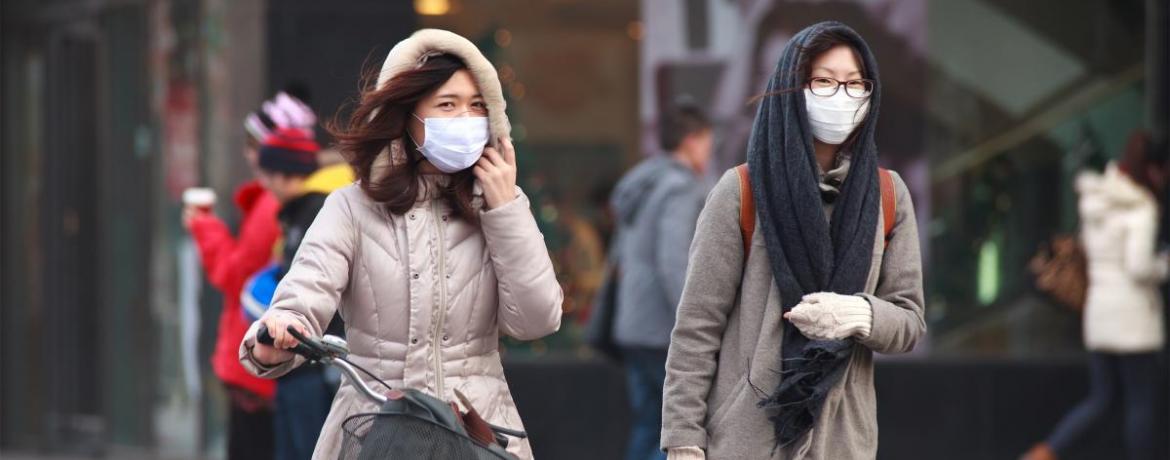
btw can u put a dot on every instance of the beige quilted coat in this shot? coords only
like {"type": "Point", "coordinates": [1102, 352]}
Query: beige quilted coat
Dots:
{"type": "Point", "coordinates": [424, 295]}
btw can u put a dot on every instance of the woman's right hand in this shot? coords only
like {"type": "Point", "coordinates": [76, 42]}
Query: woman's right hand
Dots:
{"type": "Point", "coordinates": [277, 353]}
{"type": "Point", "coordinates": [190, 213]}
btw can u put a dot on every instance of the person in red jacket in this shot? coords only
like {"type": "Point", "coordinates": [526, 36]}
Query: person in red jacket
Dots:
{"type": "Point", "coordinates": [229, 261]}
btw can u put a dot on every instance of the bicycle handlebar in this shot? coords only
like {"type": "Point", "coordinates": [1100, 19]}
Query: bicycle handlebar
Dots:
{"type": "Point", "coordinates": [307, 347]}
{"type": "Point", "coordinates": [313, 349]}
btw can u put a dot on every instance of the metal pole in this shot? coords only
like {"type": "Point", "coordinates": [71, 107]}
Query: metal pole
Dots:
{"type": "Point", "coordinates": [1157, 116]}
{"type": "Point", "coordinates": [1157, 119]}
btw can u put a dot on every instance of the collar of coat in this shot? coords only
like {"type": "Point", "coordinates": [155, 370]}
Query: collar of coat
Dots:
{"type": "Point", "coordinates": [248, 194]}
{"type": "Point", "coordinates": [831, 181]}
{"type": "Point", "coordinates": [431, 188]}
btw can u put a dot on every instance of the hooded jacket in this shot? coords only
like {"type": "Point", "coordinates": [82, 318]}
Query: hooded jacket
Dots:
{"type": "Point", "coordinates": [330, 178]}
{"type": "Point", "coordinates": [1119, 221]}
{"type": "Point", "coordinates": [424, 295]}
{"type": "Point", "coordinates": [657, 204]}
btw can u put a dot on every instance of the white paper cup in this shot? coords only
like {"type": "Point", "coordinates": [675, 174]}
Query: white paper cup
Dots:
{"type": "Point", "coordinates": [200, 197]}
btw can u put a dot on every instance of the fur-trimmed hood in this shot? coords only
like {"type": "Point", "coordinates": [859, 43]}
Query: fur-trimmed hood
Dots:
{"type": "Point", "coordinates": [1101, 194]}
{"type": "Point", "coordinates": [415, 50]}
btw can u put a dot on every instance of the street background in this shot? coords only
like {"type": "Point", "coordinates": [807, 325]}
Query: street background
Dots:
{"type": "Point", "coordinates": [111, 108]}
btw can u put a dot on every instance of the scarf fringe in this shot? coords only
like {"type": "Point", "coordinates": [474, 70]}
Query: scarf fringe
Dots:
{"type": "Point", "coordinates": [798, 398]}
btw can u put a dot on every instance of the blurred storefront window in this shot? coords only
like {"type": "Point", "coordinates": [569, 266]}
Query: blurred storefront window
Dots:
{"type": "Point", "coordinates": [1020, 96]}
{"type": "Point", "coordinates": [991, 107]}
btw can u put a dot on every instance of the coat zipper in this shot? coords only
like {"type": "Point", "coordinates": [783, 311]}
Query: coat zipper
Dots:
{"type": "Point", "coordinates": [442, 306]}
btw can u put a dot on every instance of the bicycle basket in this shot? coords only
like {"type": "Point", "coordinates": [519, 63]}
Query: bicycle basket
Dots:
{"type": "Point", "coordinates": [414, 427]}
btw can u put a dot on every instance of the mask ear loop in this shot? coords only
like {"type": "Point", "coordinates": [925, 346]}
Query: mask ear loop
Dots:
{"type": "Point", "coordinates": [420, 120]}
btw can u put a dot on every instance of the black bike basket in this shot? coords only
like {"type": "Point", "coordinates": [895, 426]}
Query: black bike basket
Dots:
{"type": "Point", "coordinates": [415, 426]}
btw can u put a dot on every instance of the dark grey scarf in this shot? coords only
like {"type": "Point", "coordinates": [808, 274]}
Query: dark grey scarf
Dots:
{"type": "Point", "coordinates": [809, 254]}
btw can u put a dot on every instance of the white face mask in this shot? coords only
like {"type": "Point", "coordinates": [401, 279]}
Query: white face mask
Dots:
{"type": "Point", "coordinates": [453, 144]}
{"type": "Point", "coordinates": [833, 118]}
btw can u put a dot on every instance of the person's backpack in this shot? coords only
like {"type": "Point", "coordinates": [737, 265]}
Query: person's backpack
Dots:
{"type": "Point", "coordinates": [747, 206]}
{"type": "Point", "coordinates": [257, 293]}
{"type": "Point", "coordinates": [599, 329]}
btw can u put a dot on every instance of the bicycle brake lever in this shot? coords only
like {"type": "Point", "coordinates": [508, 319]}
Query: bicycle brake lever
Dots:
{"type": "Point", "coordinates": [335, 346]}
{"type": "Point", "coordinates": [316, 350]}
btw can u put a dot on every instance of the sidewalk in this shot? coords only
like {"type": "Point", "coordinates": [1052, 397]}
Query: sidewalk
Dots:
{"type": "Point", "coordinates": [118, 453]}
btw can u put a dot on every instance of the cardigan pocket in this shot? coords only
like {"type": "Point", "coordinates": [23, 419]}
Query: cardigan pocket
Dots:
{"type": "Point", "coordinates": [720, 413]}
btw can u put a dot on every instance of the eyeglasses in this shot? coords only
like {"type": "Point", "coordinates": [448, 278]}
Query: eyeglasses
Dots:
{"type": "Point", "coordinates": [826, 87]}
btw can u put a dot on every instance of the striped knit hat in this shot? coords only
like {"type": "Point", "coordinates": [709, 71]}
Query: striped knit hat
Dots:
{"type": "Point", "coordinates": [290, 151]}
{"type": "Point", "coordinates": [283, 111]}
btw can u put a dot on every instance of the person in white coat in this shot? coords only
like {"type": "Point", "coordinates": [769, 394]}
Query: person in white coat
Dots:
{"type": "Point", "coordinates": [1123, 326]}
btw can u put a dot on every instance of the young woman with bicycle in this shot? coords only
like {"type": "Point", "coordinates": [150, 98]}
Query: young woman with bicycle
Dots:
{"type": "Point", "coordinates": [431, 254]}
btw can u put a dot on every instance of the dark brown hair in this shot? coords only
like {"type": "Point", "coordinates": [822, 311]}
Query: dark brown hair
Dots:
{"type": "Point", "coordinates": [380, 117]}
{"type": "Point", "coordinates": [818, 45]}
{"type": "Point", "coordinates": [1137, 163]}
{"type": "Point", "coordinates": [684, 119]}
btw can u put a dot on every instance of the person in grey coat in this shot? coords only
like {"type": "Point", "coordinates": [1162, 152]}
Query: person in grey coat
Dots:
{"type": "Point", "coordinates": [656, 205]}
{"type": "Point", "coordinates": [772, 353]}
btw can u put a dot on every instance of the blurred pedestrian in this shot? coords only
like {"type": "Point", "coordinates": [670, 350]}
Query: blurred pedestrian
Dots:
{"type": "Point", "coordinates": [1123, 325]}
{"type": "Point", "coordinates": [333, 174]}
{"type": "Point", "coordinates": [772, 353]}
{"type": "Point", "coordinates": [288, 161]}
{"type": "Point", "coordinates": [229, 261]}
{"type": "Point", "coordinates": [432, 254]}
{"type": "Point", "coordinates": [657, 204]}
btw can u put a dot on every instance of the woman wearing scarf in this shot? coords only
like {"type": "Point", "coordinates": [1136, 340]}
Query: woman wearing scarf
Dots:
{"type": "Point", "coordinates": [772, 352]}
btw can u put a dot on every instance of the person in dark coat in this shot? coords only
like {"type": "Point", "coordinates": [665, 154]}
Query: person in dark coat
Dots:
{"type": "Point", "coordinates": [288, 158]}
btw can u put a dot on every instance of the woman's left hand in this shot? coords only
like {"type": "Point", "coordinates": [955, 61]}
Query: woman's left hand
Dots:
{"type": "Point", "coordinates": [832, 316]}
{"type": "Point", "coordinates": [496, 171]}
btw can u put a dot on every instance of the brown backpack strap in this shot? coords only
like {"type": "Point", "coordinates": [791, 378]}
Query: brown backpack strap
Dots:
{"type": "Point", "coordinates": [747, 209]}
{"type": "Point", "coordinates": [747, 206]}
{"type": "Point", "coordinates": [889, 202]}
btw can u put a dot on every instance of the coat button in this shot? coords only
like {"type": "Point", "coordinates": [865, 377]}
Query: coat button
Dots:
{"type": "Point", "coordinates": [448, 276]}
{"type": "Point", "coordinates": [413, 341]}
{"type": "Point", "coordinates": [444, 218]}
{"type": "Point", "coordinates": [412, 217]}
{"type": "Point", "coordinates": [415, 276]}
{"type": "Point", "coordinates": [445, 338]}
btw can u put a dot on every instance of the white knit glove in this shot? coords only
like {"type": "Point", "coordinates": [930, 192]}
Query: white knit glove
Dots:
{"type": "Point", "coordinates": [832, 316]}
{"type": "Point", "coordinates": [685, 453]}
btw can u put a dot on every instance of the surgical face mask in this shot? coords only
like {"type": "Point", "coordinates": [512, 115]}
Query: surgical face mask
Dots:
{"type": "Point", "coordinates": [453, 144]}
{"type": "Point", "coordinates": [833, 118]}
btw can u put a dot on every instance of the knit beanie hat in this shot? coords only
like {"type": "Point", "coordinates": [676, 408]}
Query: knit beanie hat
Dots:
{"type": "Point", "coordinates": [289, 151]}
{"type": "Point", "coordinates": [283, 111]}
